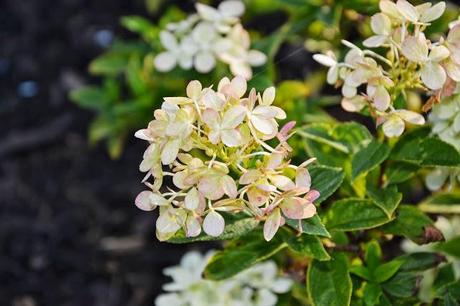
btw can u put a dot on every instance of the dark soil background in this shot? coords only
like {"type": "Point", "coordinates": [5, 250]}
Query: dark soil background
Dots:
{"type": "Point", "coordinates": [69, 232]}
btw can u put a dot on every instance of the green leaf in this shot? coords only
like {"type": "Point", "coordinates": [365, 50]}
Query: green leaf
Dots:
{"type": "Point", "coordinates": [90, 97]}
{"type": "Point", "coordinates": [354, 214]}
{"type": "Point", "coordinates": [387, 199]}
{"type": "Point", "coordinates": [361, 271]}
{"type": "Point", "coordinates": [402, 285]}
{"type": "Point", "coordinates": [110, 63]}
{"type": "Point", "coordinates": [310, 226]}
{"type": "Point", "coordinates": [329, 283]}
{"type": "Point", "coordinates": [373, 255]}
{"type": "Point", "coordinates": [439, 153]}
{"type": "Point", "coordinates": [385, 271]}
{"type": "Point", "coordinates": [308, 245]}
{"type": "Point", "coordinates": [443, 203]}
{"type": "Point", "coordinates": [408, 147]}
{"type": "Point", "coordinates": [137, 24]}
{"type": "Point", "coordinates": [399, 171]}
{"type": "Point", "coordinates": [413, 224]}
{"type": "Point", "coordinates": [371, 294]}
{"type": "Point", "coordinates": [326, 180]}
{"type": "Point", "coordinates": [244, 253]}
{"type": "Point", "coordinates": [451, 247]}
{"type": "Point", "coordinates": [369, 158]}
{"type": "Point", "coordinates": [233, 228]}
{"type": "Point", "coordinates": [420, 261]}
{"type": "Point", "coordinates": [445, 276]}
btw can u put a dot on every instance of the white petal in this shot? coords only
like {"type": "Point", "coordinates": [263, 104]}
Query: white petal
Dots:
{"type": "Point", "coordinates": [282, 182]}
{"type": "Point", "coordinates": [204, 33]}
{"type": "Point", "coordinates": [170, 151]}
{"type": "Point", "coordinates": [381, 99]}
{"type": "Point", "coordinates": [415, 48]}
{"type": "Point", "coordinates": [393, 127]}
{"type": "Point", "coordinates": [453, 70]}
{"type": "Point", "coordinates": [433, 12]}
{"type": "Point", "coordinates": [411, 117]}
{"type": "Point", "coordinates": [375, 41]}
{"type": "Point", "coordinates": [433, 75]}
{"type": "Point", "coordinates": [325, 60]}
{"type": "Point", "coordinates": [268, 96]}
{"type": "Point", "coordinates": [192, 199]}
{"type": "Point", "coordinates": [272, 224]}
{"type": "Point", "coordinates": [407, 10]}
{"type": "Point", "coordinates": [192, 226]}
{"type": "Point", "coordinates": [231, 8]}
{"type": "Point", "coordinates": [207, 12]}
{"type": "Point", "coordinates": [439, 53]}
{"type": "Point", "coordinates": [333, 75]}
{"type": "Point", "coordinates": [194, 89]}
{"type": "Point", "coordinates": [233, 117]}
{"type": "Point", "coordinates": [349, 91]}
{"type": "Point", "coordinates": [435, 179]}
{"type": "Point", "coordinates": [168, 40]}
{"type": "Point", "coordinates": [242, 69]}
{"type": "Point", "coordinates": [381, 24]}
{"type": "Point", "coordinates": [249, 177]}
{"type": "Point", "coordinates": [239, 86]}
{"type": "Point", "coordinates": [302, 178]}
{"type": "Point", "coordinates": [265, 126]}
{"type": "Point", "coordinates": [204, 61]}
{"type": "Point", "coordinates": [213, 224]}
{"type": "Point", "coordinates": [231, 138]}
{"type": "Point", "coordinates": [213, 100]}
{"type": "Point", "coordinates": [165, 61]}
{"type": "Point", "coordinates": [210, 187]}
{"type": "Point", "coordinates": [211, 118]}
{"type": "Point", "coordinates": [229, 186]}
{"type": "Point", "coordinates": [143, 201]}
{"type": "Point", "coordinates": [389, 8]}
{"type": "Point", "coordinates": [143, 134]}
{"type": "Point", "coordinates": [256, 58]}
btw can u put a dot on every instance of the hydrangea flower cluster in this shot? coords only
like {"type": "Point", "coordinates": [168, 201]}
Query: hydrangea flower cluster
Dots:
{"type": "Point", "coordinates": [212, 33]}
{"type": "Point", "coordinates": [214, 143]}
{"type": "Point", "coordinates": [445, 119]}
{"type": "Point", "coordinates": [412, 62]}
{"type": "Point", "coordinates": [256, 286]}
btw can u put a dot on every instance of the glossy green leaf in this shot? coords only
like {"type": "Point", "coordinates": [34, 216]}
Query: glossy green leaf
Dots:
{"type": "Point", "coordinates": [110, 63]}
{"type": "Point", "coordinates": [368, 158]}
{"type": "Point", "coordinates": [308, 245]}
{"type": "Point", "coordinates": [451, 247]}
{"type": "Point", "coordinates": [385, 271]}
{"type": "Point", "coordinates": [420, 261]}
{"type": "Point", "coordinates": [439, 153]}
{"type": "Point", "coordinates": [371, 294]}
{"type": "Point", "coordinates": [402, 285]}
{"type": "Point", "coordinates": [413, 224]}
{"type": "Point", "coordinates": [233, 229]}
{"type": "Point", "coordinates": [399, 171]}
{"type": "Point", "coordinates": [310, 226]}
{"type": "Point", "coordinates": [326, 180]}
{"type": "Point", "coordinates": [354, 214]}
{"type": "Point", "coordinates": [387, 199]}
{"type": "Point", "coordinates": [328, 282]}
{"type": "Point", "coordinates": [242, 254]}
{"type": "Point", "coordinates": [373, 255]}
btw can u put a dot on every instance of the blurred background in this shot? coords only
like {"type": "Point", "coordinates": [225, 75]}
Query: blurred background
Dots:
{"type": "Point", "coordinates": [69, 232]}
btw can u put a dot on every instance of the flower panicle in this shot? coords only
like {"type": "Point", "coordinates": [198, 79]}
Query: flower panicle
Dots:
{"type": "Point", "coordinates": [214, 145]}
{"type": "Point", "coordinates": [412, 62]}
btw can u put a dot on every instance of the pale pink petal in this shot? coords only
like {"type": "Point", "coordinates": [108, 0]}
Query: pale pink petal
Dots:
{"type": "Point", "coordinates": [210, 187]}
{"type": "Point", "coordinates": [263, 125]}
{"type": "Point", "coordinates": [233, 117]}
{"type": "Point", "coordinates": [393, 127]}
{"type": "Point", "coordinates": [231, 138]}
{"type": "Point", "coordinates": [433, 12]}
{"type": "Point", "coordinates": [282, 182]}
{"type": "Point", "coordinates": [211, 118]}
{"type": "Point", "coordinates": [415, 48]}
{"type": "Point", "coordinates": [381, 24]}
{"type": "Point", "coordinates": [170, 151]}
{"type": "Point", "coordinates": [192, 226]}
{"type": "Point", "coordinates": [439, 53]}
{"type": "Point", "coordinates": [453, 70]}
{"type": "Point", "coordinates": [411, 117]}
{"type": "Point", "coordinates": [407, 10]}
{"type": "Point", "coordinates": [214, 137]}
{"type": "Point", "coordinates": [433, 75]}
{"type": "Point", "coordinates": [192, 199]}
{"type": "Point", "coordinates": [213, 224]}
{"type": "Point", "coordinates": [309, 210]}
{"type": "Point", "coordinates": [257, 196]}
{"type": "Point", "coordinates": [143, 201]}
{"type": "Point", "coordinates": [249, 176]}
{"type": "Point", "coordinates": [293, 207]}
{"type": "Point", "coordinates": [229, 186]}
{"type": "Point", "coordinates": [302, 178]}
{"type": "Point", "coordinates": [382, 99]}
{"type": "Point", "coordinates": [272, 224]}
{"type": "Point", "coordinates": [312, 195]}
{"type": "Point", "coordinates": [389, 8]}
{"type": "Point", "coordinates": [268, 96]}
{"type": "Point", "coordinates": [375, 41]}
{"type": "Point", "coordinates": [239, 86]}
{"type": "Point", "coordinates": [194, 89]}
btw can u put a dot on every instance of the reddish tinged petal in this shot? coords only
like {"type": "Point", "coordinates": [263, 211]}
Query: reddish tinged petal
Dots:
{"type": "Point", "coordinates": [312, 195]}
{"type": "Point", "coordinates": [272, 224]}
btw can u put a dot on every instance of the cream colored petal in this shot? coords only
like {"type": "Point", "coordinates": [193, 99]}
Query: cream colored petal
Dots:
{"type": "Point", "coordinates": [265, 126]}
{"type": "Point", "coordinates": [232, 8]}
{"type": "Point", "coordinates": [393, 127]}
{"type": "Point", "coordinates": [168, 40]}
{"type": "Point", "coordinates": [433, 12]}
{"type": "Point", "coordinates": [143, 201]}
{"type": "Point", "coordinates": [407, 10]}
{"type": "Point", "coordinates": [411, 117]}
{"type": "Point", "coordinates": [381, 99]}
{"type": "Point", "coordinates": [268, 96]}
{"type": "Point", "coordinates": [194, 89]}
{"type": "Point", "coordinates": [211, 118]}
{"type": "Point", "coordinates": [439, 53]}
{"type": "Point", "coordinates": [375, 41]}
{"type": "Point", "coordinates": [239, 86]}
{"type": "Point", "coordinates": [170, 151]}
{"type": "Point", "coordinates": [390, 9]}
{"type": "Point", "coordinates": [272, 224]}
{"type": "Point", "coordinates": [354, 104]}
{"type": "Point", "coordinates": [302, 178]}
{"type": "Point", "coordinates": [213, 224]}
{"type": "Point", "coordinates": [249, 177]}
{"type": "Point", "coordinates": [333, 75]}
{"type": "Point", "coordinates": [415, 48]}
{"type": "Point", "coordinates": [256, 58]}
{"type": "Point", "coordinates": [204, 61]}
{"type": "Point", "coordinates": [229, 186]}
{"type": "Point", "coordinates": [192, 226]}
{"type": "Point", "coordinates": [282, 182]}
{"type": "Point", "coordinates": [192, 199]}
{"type": "Point", "coordinates": [433, 75]}
{"type": "Point", "coordinates": [210, 187]}
{"type": "Point", "coordinates": [349, 91]}
{"type": "Point", "coordinates": [165, 61]}
{"type": "Point", "coordinates": [231, 137]}
{"type": "Point", "coordinates": [233, 117]}
{"type": "Point", "coordinates": [293, 208]}
{"type": "Point", "coordinates": [453, 70]}
{"type": "Point", "coordinates": [381, 24]}
{"type": "Point", "coordinates": [325, 60]}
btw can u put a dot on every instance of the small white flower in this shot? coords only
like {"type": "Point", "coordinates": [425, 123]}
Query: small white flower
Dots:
{"type": "Point", "coordinates": [226, 14]}
{"type": "Point", "coordinates": [395, 121]}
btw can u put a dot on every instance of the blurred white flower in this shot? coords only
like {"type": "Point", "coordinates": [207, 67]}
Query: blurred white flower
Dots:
{"type": "Point", "coordinates": [202, 39]}
{"type": "Point", "coordinates": [256, 286]}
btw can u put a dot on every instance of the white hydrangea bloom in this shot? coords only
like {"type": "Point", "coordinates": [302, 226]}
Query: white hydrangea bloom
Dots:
{"type": "Point", "coordinates": [214, 143]}
{"type": "Point", "coordinates": [412, 63]}
{"type": "Point", "coordinates": [210, 35]}
{"type": "Point", "coordinates": [256, 286]}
